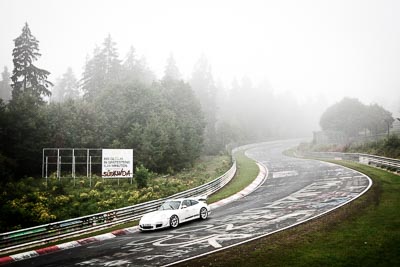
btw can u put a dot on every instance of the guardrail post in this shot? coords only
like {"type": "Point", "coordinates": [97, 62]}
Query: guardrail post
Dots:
{"type": "Point", "coordinates": [87, 163]}
{"type": "Point", "coordinates": [42, 163]}
{"type": "Point", "coordinates": [58, 163]}
{"type": "Point", "coordinates": [47, 164]}
{"type": "Point", "coordinates": [90, 171]}
{"type": "Point", "coordinates": [73, 165]}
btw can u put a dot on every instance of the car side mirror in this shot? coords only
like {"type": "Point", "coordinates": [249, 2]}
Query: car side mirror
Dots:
{"type": "Point", "coordinates": [184, 206]}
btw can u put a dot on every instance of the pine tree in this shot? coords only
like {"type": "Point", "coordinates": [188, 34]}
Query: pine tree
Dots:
{"type": "Point", "coordinates": [130, 62]}
{"type": "Point", "coordinates": [171, 70]}
{"type": "Point", "coordinates": [27, 78]}
{"type": "Point", "coordinates": [186, 131]}
{"type": "Point", "coordinates": [66, 87]}
{"type": "Point", "coordinates": [135, 70]}
{"type": "Point", "coordinates": [93, 80]}
{"type": "Point", "coordinates": [102, 70]}
{"type": "Point", "coordinates": [5, 88]}
{"type": "Point", "coordinates": [112, 63]}
{"type": "Point", "coordinates": [204, 87]}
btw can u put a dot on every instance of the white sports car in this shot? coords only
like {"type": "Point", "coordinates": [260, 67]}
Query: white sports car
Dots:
{"type": "Point", "coordinates": [175, 211]}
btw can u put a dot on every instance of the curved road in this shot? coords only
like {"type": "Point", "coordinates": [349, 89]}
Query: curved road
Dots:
{"type": "Point", "coordinates": [296, 190]}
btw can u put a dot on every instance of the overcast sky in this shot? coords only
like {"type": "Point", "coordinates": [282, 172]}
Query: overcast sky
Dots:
{"type": "Point", "coordinates": [313, 49]}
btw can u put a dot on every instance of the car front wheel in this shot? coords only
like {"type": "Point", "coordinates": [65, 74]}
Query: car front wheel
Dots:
{"type": "Point", "coordinates": [174, 221]}
{"type": "Point", "coordinates": [203, 213]}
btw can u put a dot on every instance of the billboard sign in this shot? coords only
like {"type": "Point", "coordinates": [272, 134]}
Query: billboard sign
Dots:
{"type": "Point", "coordinates": [117, 163]}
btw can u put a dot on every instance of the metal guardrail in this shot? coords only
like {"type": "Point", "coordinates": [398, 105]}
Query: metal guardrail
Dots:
{"type": "Point", "coordinates": [46, 233]}
{"type": "Point", "coordinates": [378, 161]}
{"type": "Point", "coordinates": [382, 162]}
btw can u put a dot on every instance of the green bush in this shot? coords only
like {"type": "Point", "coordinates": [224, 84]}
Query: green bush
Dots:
{"type": "Point", "coordinates": [388, 147]}
{"type": "Point", "coordinates": [142, 175]}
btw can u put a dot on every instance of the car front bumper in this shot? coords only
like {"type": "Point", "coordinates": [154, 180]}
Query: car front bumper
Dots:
{"type": "Point", "coordinates": [148, 226]}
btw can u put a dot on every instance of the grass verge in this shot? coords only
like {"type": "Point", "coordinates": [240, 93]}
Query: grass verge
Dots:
{"type": "Point", "coordinates": [365, 232]}
{"type": "Point", "coordinates": [247, 171]}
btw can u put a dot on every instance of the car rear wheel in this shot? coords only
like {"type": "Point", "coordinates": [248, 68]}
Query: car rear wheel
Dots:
{"type": "Point", "coordinates": [174, 221]}
{"type": "Point", "coordinates": [203, 213]}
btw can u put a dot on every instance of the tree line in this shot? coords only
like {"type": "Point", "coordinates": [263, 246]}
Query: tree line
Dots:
{"type": "Point", "coordinates": [117, 104]}
{"type": "Point", "coordinates": [353, 118]}
{"type": "Point", "coordinates": [167, 121]}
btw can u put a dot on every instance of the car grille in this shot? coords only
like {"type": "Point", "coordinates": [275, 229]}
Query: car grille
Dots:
{"type": "Point", "coordinates": [147, 227]}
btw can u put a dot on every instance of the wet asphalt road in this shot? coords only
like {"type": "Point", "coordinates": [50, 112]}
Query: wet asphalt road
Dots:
{"type": "Point", "coordinates": [296, 190]}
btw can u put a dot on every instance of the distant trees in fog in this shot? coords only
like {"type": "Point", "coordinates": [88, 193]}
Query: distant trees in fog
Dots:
{"type": "Point", "coordinates": [66, 87]}
{"type": "Point", "coordinates": [352, 117]}
{"type": "Point", "coordinates": [121, 104]}
{"type": "Point", "coordinates": [253, 113]}
{"type": "Point", "coordinates": [202, 83]}
{"type": "Point", "coordinates": [5, 85]}
{"type": "Point", "coordinates": [168, 122]}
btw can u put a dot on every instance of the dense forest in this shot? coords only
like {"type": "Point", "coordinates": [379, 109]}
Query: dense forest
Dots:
{"type": "Point", "coordinates": [120, 103]}
{"type": "Point", "coordinates": [115, 105]}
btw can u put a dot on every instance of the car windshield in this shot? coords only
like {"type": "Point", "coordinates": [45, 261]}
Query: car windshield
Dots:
{"type": "Point", "coordinates": [170, 205]}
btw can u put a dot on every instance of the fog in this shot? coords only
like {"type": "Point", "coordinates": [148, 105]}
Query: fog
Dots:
{"type": "Point", "coordinates": [316, 52]}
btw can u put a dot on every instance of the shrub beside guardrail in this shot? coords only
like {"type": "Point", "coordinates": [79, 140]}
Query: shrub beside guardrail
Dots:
{"type": "Point", "coordinates": [378, 161]}
{"type": "Point", "coordinates": [46, 233]}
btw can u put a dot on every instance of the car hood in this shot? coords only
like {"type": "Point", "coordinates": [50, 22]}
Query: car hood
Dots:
{"type": "Point", "coordinates": [157, 215]}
